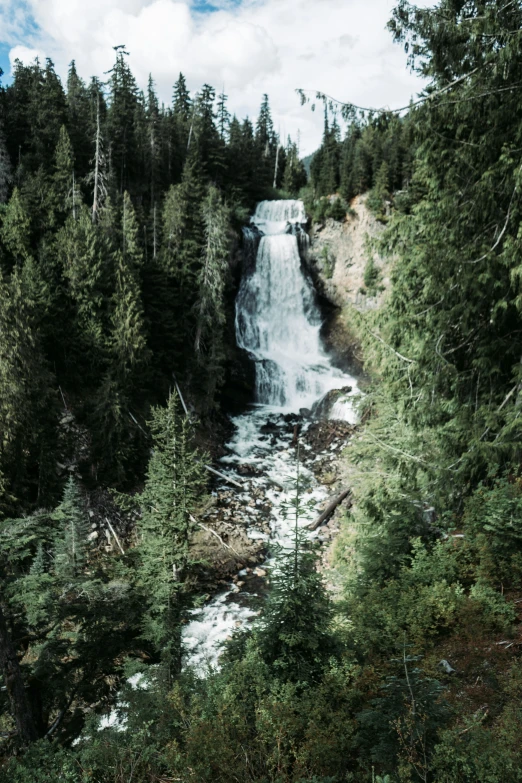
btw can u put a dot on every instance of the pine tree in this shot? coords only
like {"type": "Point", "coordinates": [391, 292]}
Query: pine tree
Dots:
{"type": "Point", "coordinates": [116, 440]}
{"type": "Point", "coordinates": [68, 197]}
{"type": "Point", "coordinates": [26, 404]}
{"type": "Point", "coordinates": [72, 544]}
{"type": "Point", "coordinates": [347, 173]}
{"type": "Point", "coordinates": [181, 122]}
{"type": "Point", "coordinates": [83, 260]}
{"type": "Point", "coordinates": [181, 226]}
{"type": "Point", "coordinates": [380, 191]}
{"type": "Point", "coordinates": [265, 135]}
{"type": "Point", "coordinates": [122, 109]}
{"type": "Point", "coordinates": [6, 173]}
{"type": "Point", "coordinates": [204, 147]}
{"type": "Point", "coordinates": [173, 488]}
{"type": "Point", "coordinates": [325, 164]}
{"type": "Point", "coordinates": [294, 171]}
{"type": "Point", "coordinates": [293, 636]}
{"type": "Point", "coordinates": [78, 125]}
{"type": "Point", "coordinates": [51, 115]}
{"type": "Point", "coordinates": [36, 112]}
{"type": "Point", "coordinates": [153, 156]}
{"type": "Point", "coordinates": [181, 103]}
{"type": "Point", "coordinates": [15, 229]}
{"type": "Point", "coordinates": [214, 265]}
{"type": "Point", "coordinates": [267, 145]}
{"type": "Point", "coordinates": [128, 336]}
{"type": "Point", "coordinates": [99, 173]}
{"type": "Point", "coordinates": [223, 117]}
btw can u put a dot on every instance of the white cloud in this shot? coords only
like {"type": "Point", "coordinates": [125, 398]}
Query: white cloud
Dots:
{"type": "Point", "coordinates": [24, 54]}
{"type": "Point", "coordinates": [338, 46]}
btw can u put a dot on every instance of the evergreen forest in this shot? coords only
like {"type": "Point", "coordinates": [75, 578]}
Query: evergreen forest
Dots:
{"type": "Point", "coordinates": [120, 258]}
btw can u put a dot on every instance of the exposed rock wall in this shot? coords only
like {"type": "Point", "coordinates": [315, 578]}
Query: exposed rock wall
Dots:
{"type": "Point", "coordinates": [338, 256]}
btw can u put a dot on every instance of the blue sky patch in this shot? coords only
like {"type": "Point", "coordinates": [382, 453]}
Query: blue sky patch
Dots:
{"type": "Point", "coordinates": [209, 6]}
{"type": "Point", "coordinates": [5, 65]}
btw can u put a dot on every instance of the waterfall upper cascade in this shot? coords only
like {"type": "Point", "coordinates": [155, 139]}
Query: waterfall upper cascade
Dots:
{"type": "Point", "coordinates": [277, 318]}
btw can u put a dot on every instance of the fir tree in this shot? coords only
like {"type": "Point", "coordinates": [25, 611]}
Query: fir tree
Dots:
{"type": "Point", "coordinates": [293, 637]}
{"type": "Point", "coordinates": [223, 116]}
{"type": "Point", "coordinates": [99, 173]}
{"type": "Point", "coordinates": [122, 109]}
{"type": "Point", "coordinates": [67, 195]}
{"type": "Point", "coordinates": [128, 337]}
{"type": "Point", "coordinates": [214, 264]}
{"type": "Point", "coordinates": [81, 255]}
{"type": "Point", "coordinates": [153, 155]}
{"type": "Point", "coordinates": [15, 229]}
{"type": "Point", "coordinates": [72, 544]}
{"type": "Point", "coordinates": [175, 481]}
{"type": "Point", "coordinates": [6, 173]}
{"type": "Point", "coordinates": [78, 126]}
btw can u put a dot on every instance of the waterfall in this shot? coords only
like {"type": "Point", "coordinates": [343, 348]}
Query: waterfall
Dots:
{"type": "Point", "coordinates": [277, 318]}
{"type": "Point", "coordinates": [278, 322]}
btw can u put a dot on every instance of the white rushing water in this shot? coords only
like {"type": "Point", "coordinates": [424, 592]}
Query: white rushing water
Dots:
{"type": "Point", "coordinates": [277, 318]}
{"type": "Point", "coordinates": [278, 323]}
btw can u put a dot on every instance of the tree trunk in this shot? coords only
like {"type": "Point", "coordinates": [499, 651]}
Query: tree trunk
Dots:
{"type": "Point", "coordinates": [329, 510]}
{"type": "Point", "coordinates": [18, 697]}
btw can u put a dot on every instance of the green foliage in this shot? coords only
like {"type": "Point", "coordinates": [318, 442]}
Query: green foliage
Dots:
{"type": "Point", "coordinates": [372, 277]}
{"type": "Point", "coordinates": [401, 726]}
{"type": "Point", "coordinates": [65, 188]}
{"type": "Point", "coordinates": [493, 518]}
{"type": "Point", "coordinates": [327, 262]}
{"type": "Point", "coordinates": [379, 194]}
{"type": "Point", "coordinates": [294, 637]}
{"type": "Point", "coordinates": [5, 169]}
{"type": "Point", "coordinates": [173, 488]}
{"type": "Point", "coordinates": [323, 208]}
{"type": "Point", "coordinates": [375, 154]}
{"type": "Point", "coordinates": [295, 175]}
{"type": "Point", "coordinates": [15, 229]}
{"type": "Point", "coordinates": [71, 549]}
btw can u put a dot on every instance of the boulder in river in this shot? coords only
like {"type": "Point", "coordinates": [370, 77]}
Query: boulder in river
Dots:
{"type": "Point", "coordinates": [322, 409]}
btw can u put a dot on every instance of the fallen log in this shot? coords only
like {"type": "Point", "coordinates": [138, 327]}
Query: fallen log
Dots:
{"type": "Point", "coordinates": [330, 508]}
{"type": "Point", "coordinates": [225, 478]}
{"type": "Point", "coordinates": [115, 536]}
{"type": "Point", "coordinates": [181, 396]}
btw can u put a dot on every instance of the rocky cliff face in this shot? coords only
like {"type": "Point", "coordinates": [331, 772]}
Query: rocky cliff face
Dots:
{"type": "Point", "coordinates": [338, 255]}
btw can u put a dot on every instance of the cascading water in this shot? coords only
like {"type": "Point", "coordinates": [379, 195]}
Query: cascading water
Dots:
{"type": "Point", "coordinates": [277, 318]}
{"type": "Point", "coordinates": [278, 323]}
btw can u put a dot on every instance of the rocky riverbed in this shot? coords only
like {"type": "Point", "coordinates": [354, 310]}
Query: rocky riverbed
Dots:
{"type": "Point", "coordinates": [237, 525]}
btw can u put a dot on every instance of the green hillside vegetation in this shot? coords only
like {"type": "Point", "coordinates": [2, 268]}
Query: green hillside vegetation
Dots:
{"type": "Point", "coordinates": [415, 673]}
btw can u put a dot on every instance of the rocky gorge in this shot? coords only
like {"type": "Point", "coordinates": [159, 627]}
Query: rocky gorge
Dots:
{"type": "Point", "coordinates": [303, 409]}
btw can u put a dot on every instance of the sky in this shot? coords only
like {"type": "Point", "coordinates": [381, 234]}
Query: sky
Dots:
{"type": "Point", "coordinates": [246, 47]}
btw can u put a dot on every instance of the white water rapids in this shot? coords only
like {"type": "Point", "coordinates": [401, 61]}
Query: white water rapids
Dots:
{"type": "Point", "coordinates": [278, 323]}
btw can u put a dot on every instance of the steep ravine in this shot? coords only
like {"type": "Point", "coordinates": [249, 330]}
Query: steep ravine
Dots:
{"type": "Point", "coordinates": [279, 325]}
